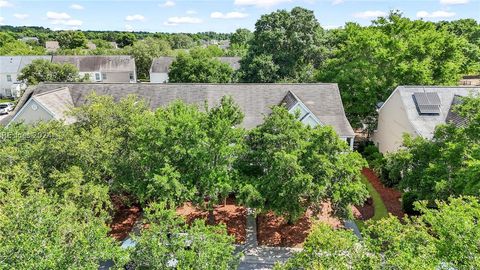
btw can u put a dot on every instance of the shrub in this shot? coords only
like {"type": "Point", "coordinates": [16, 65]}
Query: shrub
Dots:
{"type": "Point", "coordinates": [408, 199]}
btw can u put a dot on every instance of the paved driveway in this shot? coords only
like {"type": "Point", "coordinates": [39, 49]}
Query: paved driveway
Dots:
{"type": "Point", "coordinates": [4, 115]}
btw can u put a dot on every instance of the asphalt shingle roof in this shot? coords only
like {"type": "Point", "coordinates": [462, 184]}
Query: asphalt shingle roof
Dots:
{"type": "Point", "coordinates": [162, 64]}
{"type": "Point", "coordinates": [92, 63]}
{"type": "Point", "coordinates": [255, 100]}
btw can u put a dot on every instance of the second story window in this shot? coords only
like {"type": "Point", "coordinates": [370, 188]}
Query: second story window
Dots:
{"type": "Point", "coordinates": [131, 77]}
{"type": "Point", "coordinates": [9, 78]}
{"type": "Point", "coordinates": [104, 76]}
{"type": "Point", "coordinates": [97, 77]}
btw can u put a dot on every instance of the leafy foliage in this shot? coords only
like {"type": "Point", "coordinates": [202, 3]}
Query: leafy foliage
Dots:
{"type": "Point", "coordinates": [72, 39]}
{"type": "Point", "coordinates": [170, 243]}
{"type": "Point", "coordinates": [45, 71]}
{"type": "Point", "coordinates": [145, 51]}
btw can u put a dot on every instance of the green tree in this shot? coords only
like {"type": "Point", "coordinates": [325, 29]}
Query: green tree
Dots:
{"type": "Point", "coordinates": [290, 39]}
{"type": "Point", "coordinates": [144, 51]}
{"type": "Point", "coordinates": [17, 47]}
{"type": "Point", "coordinates": [170, 243]}
{"type": "Point", "coordinates": [45, 71]}
{"type": "Point", "coordinates": [199, 66]}
{"type": "Point", "coordinates": [37, 232]}
{"type": "Point", "coordinates": [125, 39]}
{"type": "Point", "coordinates": [289, 167]}
{"type": "Point", "coordinates": [369, 62]}
{"type": "Point", "coordinates": [181, 41]}
{"type": "Point", "coordinates": [241, 37]}
{"type": "Point", "coordinates": [72, 39]}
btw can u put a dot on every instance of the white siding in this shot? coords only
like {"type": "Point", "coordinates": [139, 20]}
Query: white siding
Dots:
{"type": "Point", "coordinates": [158, 77]}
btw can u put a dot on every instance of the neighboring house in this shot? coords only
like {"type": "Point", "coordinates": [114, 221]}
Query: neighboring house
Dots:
{"type": "Point", "coordinates": [161, 66]}
{"type": "Point", "coordinates": [100, 68]}
{"type": "Point", "coordinates": [29, 39]}
{"type": "Point", "coordinates": [114, 45]}
{"type": "Point", "coordinates": [317, 104]}
{"type": "Point", "coordinates": [52, 46]}
{"type": "Point", "coordinates": [91, 45]}
{"type": "Point", "coordinates": [416, 110]}
{"type": "Point", "coordinates": [10, 67]}
{"type": "Point", "coordinates": [473, 80]}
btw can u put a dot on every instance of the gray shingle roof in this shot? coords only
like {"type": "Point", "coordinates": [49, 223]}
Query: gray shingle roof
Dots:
{"type": "Point", "coordinates": [162, 64]}
{"type": "Point", "coordinates": [14, 64]}
{"type": "Point", "coordinates": [255, 100]}
{"type": "Point", "coordinates": [92, 63]}
{"type": "Point", "coordinates": [425, 124]}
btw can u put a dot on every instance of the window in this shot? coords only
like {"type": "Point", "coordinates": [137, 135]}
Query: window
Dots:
{"type": "Point", "coordinates": [9, 78]}
{"type": "Point", "coordinates": [132, 78]}
{"type": "Point", "coordinates": [104, 76]}
{"type": "Point", "coordinates": [97, 77]}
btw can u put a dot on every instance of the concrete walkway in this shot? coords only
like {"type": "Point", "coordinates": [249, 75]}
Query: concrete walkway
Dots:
{"type": "Point", "coordinates": [260, 257]}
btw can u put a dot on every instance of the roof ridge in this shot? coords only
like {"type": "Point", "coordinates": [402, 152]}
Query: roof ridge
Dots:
{"type": "Point", "coordinates": [116, 83]}
{"type": "Point", "coordinates": [51, 91]}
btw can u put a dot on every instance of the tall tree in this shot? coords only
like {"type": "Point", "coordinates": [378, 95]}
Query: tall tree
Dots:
{"type": "Point", "coordinates": [199, 66]}
{"type": "Point", "coordinates": [290, 39]}
{"type": "Point", "coordinates": [72, 39]}
{"type": "Point", "coordinates": [45, 71]}
{"type": "Point", "coordinates": [241, 37]}
{"type": "Point", "coordinates": [144, 51]}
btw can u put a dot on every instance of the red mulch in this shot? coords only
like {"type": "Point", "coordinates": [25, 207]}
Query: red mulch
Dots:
{"type": "Point", "coordinates": [233, 216]}
{"type": "Point", "coordinates": [390, 196]}
{"type": "Point", "coordinates": [124, 217]}
{"type": "Point", "coordinates": [365, 211]}
{"type": "Point", "coordinates": [275, 231]}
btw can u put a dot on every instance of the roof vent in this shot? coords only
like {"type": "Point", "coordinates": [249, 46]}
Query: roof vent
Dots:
{"type": "Point", "coordinates": [427, 103]}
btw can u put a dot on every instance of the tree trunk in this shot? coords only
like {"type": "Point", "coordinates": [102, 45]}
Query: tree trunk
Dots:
{"type": "Point", "coordinates": [211, 217]}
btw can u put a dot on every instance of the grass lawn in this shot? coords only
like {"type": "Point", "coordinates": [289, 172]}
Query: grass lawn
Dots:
{"type": "Point", "coordinates": [5, 100]}
{"type": "Point", "coordinates": [378, 205]}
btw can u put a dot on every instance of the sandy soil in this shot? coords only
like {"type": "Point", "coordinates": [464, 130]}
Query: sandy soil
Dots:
{"type": "Point", "coordinates": [390, 196]}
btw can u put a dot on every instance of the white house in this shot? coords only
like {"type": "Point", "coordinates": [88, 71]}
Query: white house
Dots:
{"type": "Point", "coordinates": [161, 66]}
{"type": "Point", "coordinates": [416, 110]}
{"type": "Point", "coordinates": [101, 68]}
{"type": "Point", "coordinates": [318, 104]}
{"type": "Point", "coordinates": [10, 67]}
{"type": "Point", "coordinates": [52, 45]}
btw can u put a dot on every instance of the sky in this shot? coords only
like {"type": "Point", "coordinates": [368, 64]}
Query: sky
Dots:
{"type": "Point", "coordinates": [214, 15]}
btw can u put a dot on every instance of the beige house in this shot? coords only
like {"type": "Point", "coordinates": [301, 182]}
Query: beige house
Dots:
{"type": "Point", "coordinates": [102, 68]}
{"type": "Point", "coordinates": [317, 104]}
{"type": "Point", "coordinates": [473, 80]}
{"type": "Point", "coordinates": [416, 110]}
{"type": "Point", "coordinates": [52, 46]}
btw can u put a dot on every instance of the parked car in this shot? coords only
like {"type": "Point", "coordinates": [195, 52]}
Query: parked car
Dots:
{"type": "Point", "coordinates": [5, 108]}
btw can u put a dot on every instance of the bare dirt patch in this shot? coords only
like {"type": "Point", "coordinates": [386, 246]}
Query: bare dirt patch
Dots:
{"type": "Point", "coordinates": [390, 196]}
{"type": "Point", "coordinates": [275, 231]}
{"type": "Point", "coordinates": [230, 214]}
{"type": "Point", "coordinates": [365, 211]}
{"type": "Point", "coordinates": [124, 217]}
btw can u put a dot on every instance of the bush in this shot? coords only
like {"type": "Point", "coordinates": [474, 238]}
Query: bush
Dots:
{"type": "Point", "coordinates": [408, 199]}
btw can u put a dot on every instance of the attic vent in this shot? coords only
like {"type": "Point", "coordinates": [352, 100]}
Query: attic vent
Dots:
{"type": "Point", "coordinates": [427, 103]}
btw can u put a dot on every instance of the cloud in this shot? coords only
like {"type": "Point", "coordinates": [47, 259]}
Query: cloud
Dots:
{"type": "Point", "coordinates": [136, 17]}
{"type": "Point", "coordinates": [369, 14]}
{"type": "Point", "coordinates": [182, 20]}
{"type": "Point", "coordinates": [167, 4]}
{"type": "Point", "coordinates": [62, 18]}
{"type": "Point", "coordinates": [20, 16]}
{"type": "Point", "coordinates": [435, 14]}
{"type": "Point", "coordinates": [337, 2]}
{"type": "Point", "coordinates": [454, 2]}
{"type": "Point", "coordinates": [128, 27]}
{"type": "Point", "coordinates": [191, 12]}
{"type": "Point", "coordinates": [259, 3]}
{"type": "Point", "coordinates": [77, 7]}
{"type": "Point", "coordinates": [51, 15]}
{"type": "Point", "coordinates": [4, 3]}
{"type": "Point", "coordinates": [229, 15]}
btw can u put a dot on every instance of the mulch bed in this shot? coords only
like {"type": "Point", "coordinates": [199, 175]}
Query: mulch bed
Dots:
{"type": "Point", "coordinates": [365, 211]}
{"type": "Point", "coordinates": [275, 231]}
{"type": "Point", "coordinates": [390, 196]}
{"type": "Point", "coordinates": [230, 214]}
{"type": "Point", "coordinates": [124, 217]}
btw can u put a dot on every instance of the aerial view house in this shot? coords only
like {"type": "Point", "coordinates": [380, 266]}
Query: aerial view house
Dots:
{"type": "Point", "coordinates": [161, 66]}
{"type": "Point", "coordinates": [473, 80]}
{"type": "Point", "coordinates": [100, 68]}
{"type": "Point", "coordinates": [416, 110]}
{"type": "Point", "coordinates": [10, 67]}
{"type": "Point", "coordinates": [52, 46]}
{"type": "Point", "coordinates": [317, 104]}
